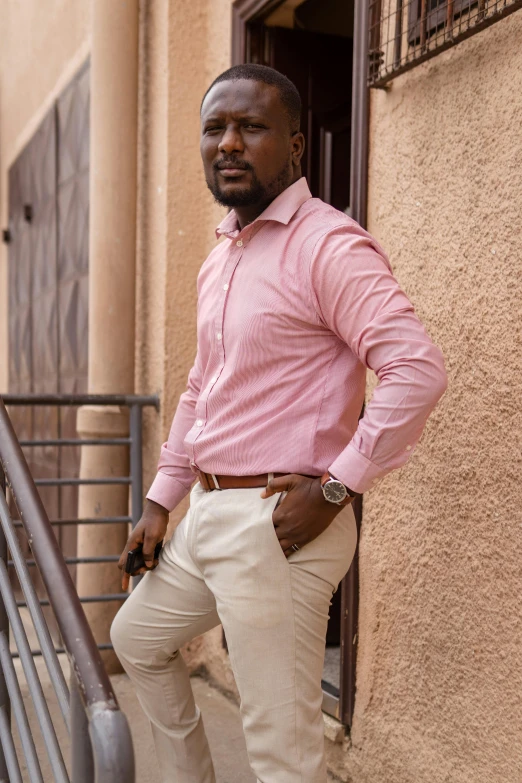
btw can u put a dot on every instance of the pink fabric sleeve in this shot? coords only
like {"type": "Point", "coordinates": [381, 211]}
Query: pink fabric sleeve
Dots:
{"type": "Point", "coordinates": [175, 477]}
{"type": "Point", "coordinates": [359, 299]}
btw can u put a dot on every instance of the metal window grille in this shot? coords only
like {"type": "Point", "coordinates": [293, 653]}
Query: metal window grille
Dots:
{"type": "Point", "coordinates": [405, 33]}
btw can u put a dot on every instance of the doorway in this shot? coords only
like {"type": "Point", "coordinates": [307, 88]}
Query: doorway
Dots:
{"type": "Point", "coordinates": [311, 42]}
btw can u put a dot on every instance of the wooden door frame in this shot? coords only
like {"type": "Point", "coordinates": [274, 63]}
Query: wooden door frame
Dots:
{"type": "Point", "coordinates": [243, 13]}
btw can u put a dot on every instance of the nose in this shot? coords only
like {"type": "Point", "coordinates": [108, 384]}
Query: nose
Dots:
{"type": "Point", "coordinates": [231, 141]}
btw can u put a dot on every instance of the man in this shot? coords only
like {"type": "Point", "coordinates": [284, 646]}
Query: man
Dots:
{"type": "Point", "coordinates": [294, 304]}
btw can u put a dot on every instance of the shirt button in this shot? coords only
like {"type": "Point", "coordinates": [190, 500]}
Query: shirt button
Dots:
{"type": "Point", "coordinates": [219, 336]}
{"type": "Point", "coordinates": [225, 287]}
{"type": "Point", "coordinates": [408, 448]}
{"type": "Point", "coordinates": [239, 243]}
{"type": "Point", "coordinates": [199, 423]}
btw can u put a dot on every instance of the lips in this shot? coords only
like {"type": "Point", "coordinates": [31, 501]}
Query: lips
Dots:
{"type": "Point", "coordinates": [233, 173]}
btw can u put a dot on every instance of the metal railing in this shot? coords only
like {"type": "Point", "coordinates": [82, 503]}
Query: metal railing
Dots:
{"type": "Point", "coordinates": [134, 441]}
{"type": "Point", "coordinates": [101, 744]}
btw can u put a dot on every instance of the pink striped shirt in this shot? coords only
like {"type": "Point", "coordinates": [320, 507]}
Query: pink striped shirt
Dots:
{"type": "Point", "coordinates": [291, 311]}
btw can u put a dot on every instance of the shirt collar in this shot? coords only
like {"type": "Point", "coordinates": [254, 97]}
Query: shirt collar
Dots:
{"type": "Point", "coordinates": [281, 209]}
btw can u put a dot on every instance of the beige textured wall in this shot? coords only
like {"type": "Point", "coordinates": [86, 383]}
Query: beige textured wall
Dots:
{"type": "Point", "coordinates": [439, 678]}
{"type": "Point", "coordinates": [42, 46]}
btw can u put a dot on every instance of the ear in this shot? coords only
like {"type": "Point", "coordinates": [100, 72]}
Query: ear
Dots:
{"type": "Point", "coordinates": [297, 143]}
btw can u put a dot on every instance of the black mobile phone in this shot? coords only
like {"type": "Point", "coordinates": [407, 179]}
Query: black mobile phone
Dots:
{"type": "Point", "coordinates": [135, 559]}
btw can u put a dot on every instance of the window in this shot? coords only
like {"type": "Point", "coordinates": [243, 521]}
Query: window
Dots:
{"type": "Point", "coordinates": [404, 33]}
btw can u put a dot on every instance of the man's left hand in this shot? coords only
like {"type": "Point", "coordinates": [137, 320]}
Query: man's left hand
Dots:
{"type": "Point", "coordinates": [303, 514]}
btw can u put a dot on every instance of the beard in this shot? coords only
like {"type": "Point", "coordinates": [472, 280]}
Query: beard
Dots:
{"type": "Point", "coordinates": [255, 194]}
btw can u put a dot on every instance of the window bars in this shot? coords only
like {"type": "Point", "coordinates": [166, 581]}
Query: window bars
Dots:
{"type": "Point", "coordinates": [101, 745]}
{"type": "Point", "coordinates": [405, 33]}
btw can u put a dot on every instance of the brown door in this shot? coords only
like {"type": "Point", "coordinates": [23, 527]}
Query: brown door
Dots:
{"type": "Point", "coordinates": [48, 285]}
{"type": "Point", "coordinates": [321, 68]}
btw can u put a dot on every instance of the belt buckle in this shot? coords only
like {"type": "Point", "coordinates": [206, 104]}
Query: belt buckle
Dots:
{"type": "Point", "coordinates": [216, 482]}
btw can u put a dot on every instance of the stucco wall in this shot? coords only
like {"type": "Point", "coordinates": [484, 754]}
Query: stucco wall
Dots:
{"type": "Point", "coordinates": [42, 46]}
{"type": "Point", "coordinates": [439, 682]}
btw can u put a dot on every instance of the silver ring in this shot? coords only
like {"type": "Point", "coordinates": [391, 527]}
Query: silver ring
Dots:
{"type": "Point", "coordinates": [295, 547]}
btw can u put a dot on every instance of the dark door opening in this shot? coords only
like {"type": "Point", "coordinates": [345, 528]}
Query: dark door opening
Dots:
{"type": "Point", "coordinates": [311, 41]}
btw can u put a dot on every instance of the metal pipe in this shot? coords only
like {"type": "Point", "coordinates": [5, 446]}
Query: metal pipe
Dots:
{"type": "Point", "coordinates": [4, 628]}
{"type": "Point", "coordinates": [76, 442]}
{"type": "Point", "coordinates": [136, 468]}
{"type": "Point", "coordinates": [13, 774]}
{"type": "Point", "coordinates": [81, 399]}
{"type": "Point", "coordinates": [75, 631]}
{"type": "Point", "coordinates": [76, 482]}
{"type": "Point", "coordinates": [82, 761]}
{"type": "Point", "coordinates": [74, 561]}
{"type": "Point", "coordinates": [33, 681]}
{"type": "Point", "coordinates": [62, 650]}
{"type": "Point", "coordinates": [84, 521]}
{"type": "Point", "coordinates": [85, 599]}
{"type": "Point", "coordinates": [24, 731]}
{"type": "Point", "coordinates": [32, 602]}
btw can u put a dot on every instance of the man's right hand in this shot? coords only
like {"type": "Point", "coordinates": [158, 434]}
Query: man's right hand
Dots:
{"type": "Point", "coordinates": [149, 531]}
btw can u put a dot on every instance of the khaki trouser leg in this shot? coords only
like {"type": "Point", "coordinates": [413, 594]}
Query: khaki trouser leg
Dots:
{"type": "Point", "coordinates": [170, 606]}
{"type": "Point", "coordinates": [225, 555]}
{"type": "Point", "coordinates": [275, 613]}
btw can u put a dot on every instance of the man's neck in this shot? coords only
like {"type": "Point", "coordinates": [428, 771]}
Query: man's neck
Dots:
{"type": "Point", "coordinates": [246, 215]}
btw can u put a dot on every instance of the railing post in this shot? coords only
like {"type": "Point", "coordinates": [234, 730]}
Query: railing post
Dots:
{"type": "Point", "coordinates": [82, 761]}
{"type": "Point", "coordinates": [136, 467]}
{"type": "Point", "coordinates": [4, 628]}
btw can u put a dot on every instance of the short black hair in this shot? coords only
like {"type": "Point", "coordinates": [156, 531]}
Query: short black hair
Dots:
{"type": "Point", "coordinates": [262, 73]}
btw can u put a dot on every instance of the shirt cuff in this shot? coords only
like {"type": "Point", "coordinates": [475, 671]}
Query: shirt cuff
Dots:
{"type": "Point", "coordinates": [355, 471]}
{"type": "Point", "coordinates": [167, 491]}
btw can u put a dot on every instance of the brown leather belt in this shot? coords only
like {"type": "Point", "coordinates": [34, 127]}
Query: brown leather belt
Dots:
{"type": "Point", "coordinates": [209, 481]}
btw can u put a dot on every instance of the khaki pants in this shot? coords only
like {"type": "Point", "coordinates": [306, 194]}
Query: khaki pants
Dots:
{"type": "Point", "coordinates": [224, 564]}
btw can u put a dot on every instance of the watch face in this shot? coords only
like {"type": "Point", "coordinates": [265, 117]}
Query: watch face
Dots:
{"type": "Point", "coordinates": [334, 491]}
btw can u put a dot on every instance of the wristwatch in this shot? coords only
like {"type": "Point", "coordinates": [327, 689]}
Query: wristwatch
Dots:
{"type": "Point", "coordinates": [335, 491]}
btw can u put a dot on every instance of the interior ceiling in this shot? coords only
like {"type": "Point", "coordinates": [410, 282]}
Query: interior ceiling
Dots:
{"type": "Point", "coordinates": [333, 17]}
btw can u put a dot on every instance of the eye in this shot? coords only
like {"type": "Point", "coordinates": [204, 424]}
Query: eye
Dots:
{"type": "Point", "coordinates": [255, 126]}
{"type": "Point", "coordinates": [213, 129]}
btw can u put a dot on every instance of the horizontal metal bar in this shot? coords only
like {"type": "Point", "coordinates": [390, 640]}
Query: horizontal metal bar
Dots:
{"type": "Point", "coordinates": [81, 399]}
{"type": "Point", "coordinates": [87, 599]}
{"type": "Point", "coordinates": [77, 442]}
{"type": "Point", "coordinates": [60, 651]}
{"type": "Point", "coordinates": [84, 521]}
{"type": "Point", "coordinates": [76, 482]}
{"type": "Point", "coordinates": [76, 560]}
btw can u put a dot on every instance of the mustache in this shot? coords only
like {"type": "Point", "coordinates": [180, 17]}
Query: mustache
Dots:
{"type": "Point", "coordinates": [232, 163]}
